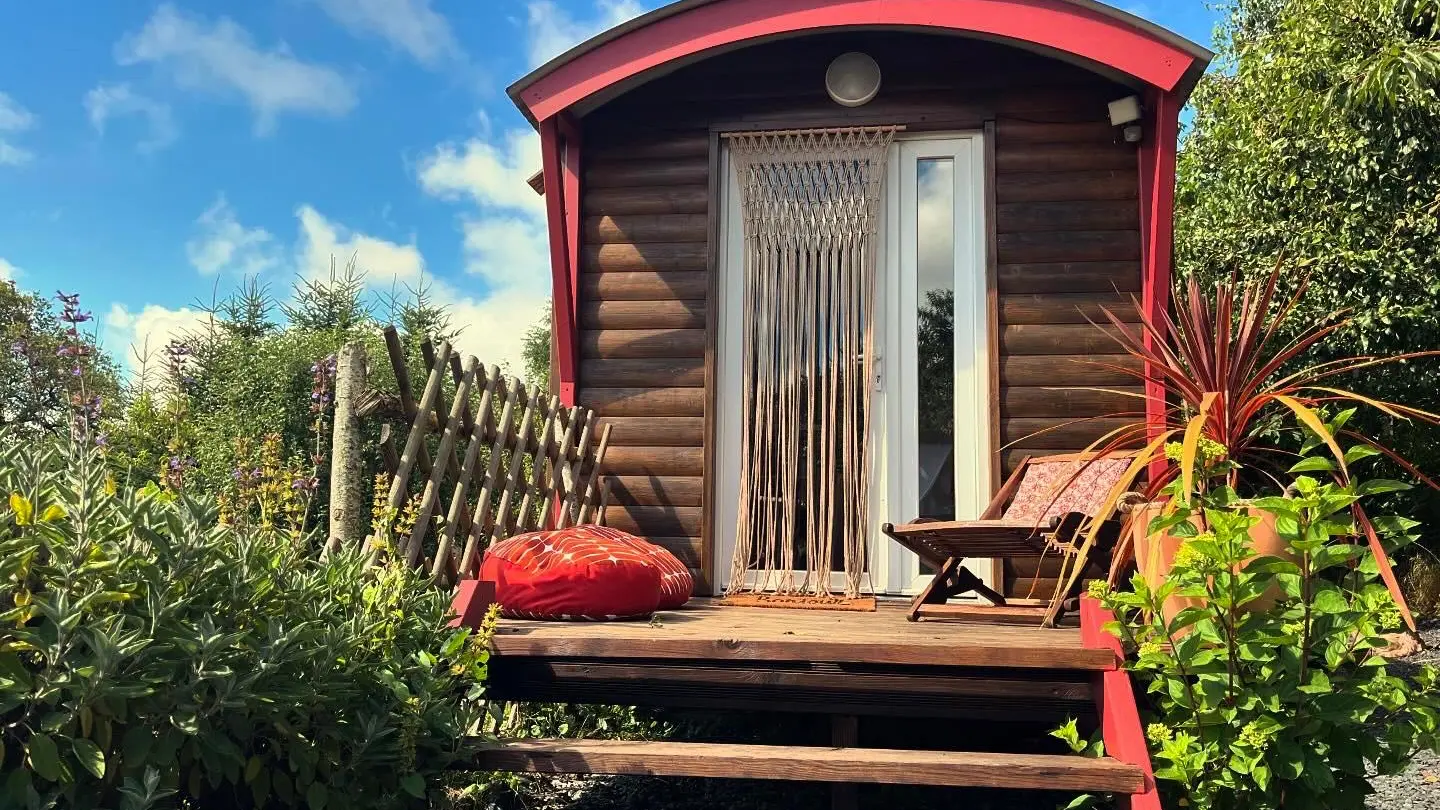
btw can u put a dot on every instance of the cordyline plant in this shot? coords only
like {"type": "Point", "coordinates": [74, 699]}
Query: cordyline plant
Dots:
{"type": "Point", "coordinates": [1228, 375]}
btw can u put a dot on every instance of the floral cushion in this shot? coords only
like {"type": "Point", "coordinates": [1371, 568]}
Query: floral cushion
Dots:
{"type": "Point", "coordinates": [584, 572]}
{"type": "Point", "coordinates": [1048, 492]}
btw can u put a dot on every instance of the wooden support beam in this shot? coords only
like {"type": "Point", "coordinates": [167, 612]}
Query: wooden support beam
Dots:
{"type": "Point", "coordinates": [347, 490]}
{"type": "Point", "coordinates": [844, 733]}
{"type": "Point", "coordinates": [814, 764]}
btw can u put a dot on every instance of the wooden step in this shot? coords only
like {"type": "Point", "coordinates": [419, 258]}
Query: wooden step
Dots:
{"type": "Point", "coordinates": [815, 764]}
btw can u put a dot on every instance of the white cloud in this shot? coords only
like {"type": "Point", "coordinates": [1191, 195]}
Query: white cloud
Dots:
{"type": "Point", "coordinates": [222, 243]}
{"type": "Point", "coordinates": [221, 58]}
{"type": "Point", "coordinates": [490, 174]}
{"type": "Point", "coordinates": [8, 271]}
{"type": "Point", "coordinates": [146, 333]}
{"type": "Point", "coordinates": [493, 328]}
{"type": "Point", "coordinates": [385, 263]}
{"type": "Point", "coordinates": [552, 30]}
{"type": "Point", "coordinates": [108, 101]}
{"type": "Point", "coordinates": [410, 25]}
{"type": "Point", "coordinates": [505, 235]}
{"type": "Point", "coordinates": [503, 228]}
{"type": "Point", "coordinates": [14, 119]}
{"type": "Point", "coordinates": [509, 252]}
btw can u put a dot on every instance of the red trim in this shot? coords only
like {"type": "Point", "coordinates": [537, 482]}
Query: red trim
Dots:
{"type": "Point", "coordinates": [562, 284]}
{"type": "Point", "coordinates": [1157, 223]}
{"type": "Point", "coordinates": [1059, 25]}
{"type": "Point", "coordinates": [570, 132]}
{"type": "Point", "coordinates": [472, 599]}
{"type": "Point", "coordinates": [1119, 715]}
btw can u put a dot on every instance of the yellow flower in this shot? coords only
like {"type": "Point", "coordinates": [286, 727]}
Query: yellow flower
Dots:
{"type": "Point", "coordinates": [1253, 736]}
{"type": "Point", "coordinates": [1098, 588]}
{"type": "Point", "coordinates": [1188, 556]}
{"type": "Point", "coordinates": [1159, 733]}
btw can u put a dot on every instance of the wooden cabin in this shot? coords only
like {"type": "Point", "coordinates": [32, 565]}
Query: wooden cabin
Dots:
{"type": "Point", "coordinates": [1054, 212]}
{"type": "Point", "coordinates": [1025, 179]}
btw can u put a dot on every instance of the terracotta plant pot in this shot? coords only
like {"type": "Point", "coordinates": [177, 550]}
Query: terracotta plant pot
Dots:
{"type": "Point", "coordinates": [1155, 556]}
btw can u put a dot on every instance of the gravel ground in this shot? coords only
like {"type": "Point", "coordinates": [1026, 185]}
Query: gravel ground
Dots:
{"type": "Point", "coordinates": [1418, 788]}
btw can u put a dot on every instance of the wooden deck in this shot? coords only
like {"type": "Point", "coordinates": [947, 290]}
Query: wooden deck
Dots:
{"type": "Point", "coordinates": [707, 631]}
{"type": "Point", "coordinates": [845, 665]}
{"type": "Point", "coordinates": [769, 659]}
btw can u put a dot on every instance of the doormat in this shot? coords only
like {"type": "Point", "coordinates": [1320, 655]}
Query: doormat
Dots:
{"type": "Point", "coordinates": [858, 604]}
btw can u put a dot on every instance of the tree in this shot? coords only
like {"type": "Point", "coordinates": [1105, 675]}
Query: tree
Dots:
{"type": "Point", "coordinates": [536, 351]}
{"type": "Point", "coordinates": [1314, 139]}
{"type": "Point", "coordinates": [46, 365]}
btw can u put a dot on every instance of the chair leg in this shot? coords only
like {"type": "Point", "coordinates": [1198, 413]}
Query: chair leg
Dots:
{"type": "Point", "coordinates": [952, 580]}
{"type": "Point", "coordinates": [966, 581]}
{"type": "Point", "coordinates": [934, 592]}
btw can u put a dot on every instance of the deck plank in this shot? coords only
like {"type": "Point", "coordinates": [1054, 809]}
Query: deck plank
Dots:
{"type": "Point", "coordinates": [706, 631]}
{"type": "Point", "coordinates": [814, 764]}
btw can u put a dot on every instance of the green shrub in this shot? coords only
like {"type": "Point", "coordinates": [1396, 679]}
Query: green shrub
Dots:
{"type": "Point", "coordinates": [1283, 706]}
{"type": "Point", "coordinates": [1314, 138]}
{"type": "Point", "coordinates": [153, 657]}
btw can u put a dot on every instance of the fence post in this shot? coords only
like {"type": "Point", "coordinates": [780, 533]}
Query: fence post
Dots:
{"type": "Point", "coordinates": [347, 491]}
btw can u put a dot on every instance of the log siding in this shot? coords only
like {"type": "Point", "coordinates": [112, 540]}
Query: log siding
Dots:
{"type": "Point", "coordinates": [1066, 238]}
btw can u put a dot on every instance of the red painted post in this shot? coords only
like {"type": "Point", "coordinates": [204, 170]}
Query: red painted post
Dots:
{"type": "Point", "coordinates": [1157, 218]}
{"type": "Point", "coordinates": [472, 599]}
{"type": "Point", "coordinates": [570, 134]}
{"type": "Point", "coordinates": [563, 304]}
{"type": "Point", "coordinates": [1120, 726]}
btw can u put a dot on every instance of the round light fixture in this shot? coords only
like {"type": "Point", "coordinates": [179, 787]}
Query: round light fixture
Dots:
{"type": "Point", "coordinates": [852, 79]}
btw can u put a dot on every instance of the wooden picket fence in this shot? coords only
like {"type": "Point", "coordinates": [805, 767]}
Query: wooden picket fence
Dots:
{"type": "Point", "coordinates": [508, 460]}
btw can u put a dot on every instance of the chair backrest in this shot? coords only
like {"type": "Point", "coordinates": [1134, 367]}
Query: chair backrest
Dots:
{"type": "Point", "coordinates": [1058, 485]}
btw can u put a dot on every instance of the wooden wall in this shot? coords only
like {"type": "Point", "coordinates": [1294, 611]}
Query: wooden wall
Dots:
{"type": "Point", "coordinates": [1066, 238]}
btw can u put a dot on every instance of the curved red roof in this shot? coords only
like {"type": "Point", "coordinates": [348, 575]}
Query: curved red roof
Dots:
{"type": "Point", "coordinates": [1084, 30]}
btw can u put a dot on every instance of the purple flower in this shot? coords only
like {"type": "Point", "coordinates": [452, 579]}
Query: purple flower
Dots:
{"type": "Point", "coordinates": [18, 347]}
{"type": "Point", "coordinates": [102, 440]}
{"type": "Point", "coordinates": [305, 484]}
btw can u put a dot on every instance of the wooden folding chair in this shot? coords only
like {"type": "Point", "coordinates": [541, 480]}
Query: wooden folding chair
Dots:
{"type": "Point", "coordinates": [1040, 511]}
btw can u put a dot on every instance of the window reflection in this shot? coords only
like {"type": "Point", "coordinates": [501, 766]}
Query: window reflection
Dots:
{"type": "Point", "coordinates": [935, 335]}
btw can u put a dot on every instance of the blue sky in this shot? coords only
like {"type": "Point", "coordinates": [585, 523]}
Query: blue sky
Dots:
{"type": "Point", "coordinates": [151, 153]}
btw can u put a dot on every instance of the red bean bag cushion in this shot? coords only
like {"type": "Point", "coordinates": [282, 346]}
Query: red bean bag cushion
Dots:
{"type": "Point", "coordinates": [676, 584]}
{"type": "Point", "coordinates": [584, 572]}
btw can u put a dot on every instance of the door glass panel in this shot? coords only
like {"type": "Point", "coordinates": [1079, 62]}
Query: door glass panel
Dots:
{"type": "Point", "coordinates": [935, 335]}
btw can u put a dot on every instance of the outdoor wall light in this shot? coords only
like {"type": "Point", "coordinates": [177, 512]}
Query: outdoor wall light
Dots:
{"type": "Point", "coordinates": [852, 79]}
{"type": "Point", "coordinates": [1126, 114]}
{"type": "Point", "coordinates": [1125, 111]}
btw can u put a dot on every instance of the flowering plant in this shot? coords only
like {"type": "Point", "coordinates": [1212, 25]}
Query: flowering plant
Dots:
{"type": "Point", "coordinates": [1287, 707]}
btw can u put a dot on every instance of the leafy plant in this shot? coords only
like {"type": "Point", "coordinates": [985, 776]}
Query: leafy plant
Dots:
{"type": "Point", "coordinates": [154, 657]}
{"type": "Point", "coordinates": [1228, 376]}
{"type": "Point", "coordinates": [1285, 707]}
{"type": "Point", "coordinates": [49, 366]}
{"type": "Point", "coordinates": [1314, 138]}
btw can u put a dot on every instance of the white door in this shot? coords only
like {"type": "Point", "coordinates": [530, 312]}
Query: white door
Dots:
{"type": "Point", "coordinates": [930, 442]}
{"type": "Point", "coordinates": [934, 398]}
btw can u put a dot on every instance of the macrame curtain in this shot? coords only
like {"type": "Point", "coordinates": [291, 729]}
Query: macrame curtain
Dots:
{"type": "Point", "coordinates": [811, 204]}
